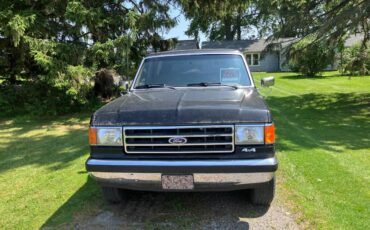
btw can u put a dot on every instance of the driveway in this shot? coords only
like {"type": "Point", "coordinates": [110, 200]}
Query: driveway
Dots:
{"type": "Point", "coordinates": [222, 210]}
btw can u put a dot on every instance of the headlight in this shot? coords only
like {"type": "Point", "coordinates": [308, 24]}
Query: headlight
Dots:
{"type": "Point", "coordinates": [249, 135]}
{"type": "Point", "coordinates": [111, 136]}
{"type": "Point", "coordinates": [254, 134]}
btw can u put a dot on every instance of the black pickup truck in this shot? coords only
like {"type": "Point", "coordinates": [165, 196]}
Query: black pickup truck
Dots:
{"type": "Point", "coordinates": [191, 121]}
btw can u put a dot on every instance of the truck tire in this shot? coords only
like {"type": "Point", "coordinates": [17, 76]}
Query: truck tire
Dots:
{"type": "Point", "coordinates": [112, 195]}
{"type": "Point", "coordinates": [264, 194]}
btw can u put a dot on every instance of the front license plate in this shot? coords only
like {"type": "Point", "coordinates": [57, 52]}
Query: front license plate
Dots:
{"type": "Point", "coordinates": [178, 182]}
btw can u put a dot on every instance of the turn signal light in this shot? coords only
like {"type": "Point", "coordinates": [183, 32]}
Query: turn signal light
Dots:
{"type": "Point", "coordinates": [270, 134]}
{"type": "Point", "coordinates": [92, 136]}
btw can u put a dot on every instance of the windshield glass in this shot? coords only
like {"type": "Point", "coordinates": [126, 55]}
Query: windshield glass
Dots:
{"type": "Point", "coordinates": [182, 71]}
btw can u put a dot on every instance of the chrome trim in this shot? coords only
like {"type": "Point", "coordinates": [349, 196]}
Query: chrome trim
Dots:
{"type": "Point", "coordinates": [196, 135]}
{"type": "Point", "coordinates": [255, 124]}
{"type": "Point", "coordinates": [231, 143]}
{"type": "Point", "coordinates": [186, 144]}
{"type": "Point", "coordinates": [187, 54]}
{"type": "Point", "coordinates": [179, 127]}
{"type": "Point", "coordinates": [202, 181]}
{"type": "Point", "coordinates": [183, 163]}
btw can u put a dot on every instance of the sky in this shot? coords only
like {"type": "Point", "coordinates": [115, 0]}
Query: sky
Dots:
{"type": "Point", "coordinates": [179, 30]}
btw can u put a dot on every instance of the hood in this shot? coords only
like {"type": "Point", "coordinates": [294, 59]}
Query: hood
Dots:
{"type": "Point", "coordinates": [211, 105]}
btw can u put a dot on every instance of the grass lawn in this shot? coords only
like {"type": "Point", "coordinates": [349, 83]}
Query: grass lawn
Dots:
{"type": "Point", "coordinates": [323, 128]}
{"type": "Point", "coordinates": [41, 168]}
{"type": "Point", "coordinates": [323, 133]}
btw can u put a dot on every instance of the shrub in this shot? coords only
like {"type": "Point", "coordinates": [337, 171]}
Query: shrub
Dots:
{"type": "Point", "coordinates": [35, 99]}
{"type": "Point", "coordinates": [69, 91]}
{"type": "Point", "coordinates": [354, 60]}
{"type": "Point", "coordinates": [310, 58]}
{"type": "Point", "coordinates": [106, 83]}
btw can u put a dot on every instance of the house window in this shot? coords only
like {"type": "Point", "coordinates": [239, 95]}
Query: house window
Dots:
{"type": "Point", "coordinates": [253, 59]}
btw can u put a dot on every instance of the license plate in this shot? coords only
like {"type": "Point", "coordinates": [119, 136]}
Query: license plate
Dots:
{"type": "Point", "coordinates": [178, 182]}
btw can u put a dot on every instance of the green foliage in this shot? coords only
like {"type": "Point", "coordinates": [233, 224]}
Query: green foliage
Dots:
{"type": "Point", "coordinates": [310, 58]}
{"type": "Point", "coordinates": [17, 26]}
{"type": "Point", "coordinates": [355, 60]}
{"type": "Point", "coordinates": [328, 20]}
{"type": "Point", "coordinates": [40, 99]}
{"type": "Point", "coordinates": [220, 20]}
{"type": "Point", "coordinates": [58, 45]}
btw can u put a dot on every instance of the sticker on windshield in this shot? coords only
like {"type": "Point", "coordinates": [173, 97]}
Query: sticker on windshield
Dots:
{"type": "Point", "coordinates": [229, 75]}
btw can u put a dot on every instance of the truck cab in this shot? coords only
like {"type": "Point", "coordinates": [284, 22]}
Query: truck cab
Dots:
{"type": "Point", "coordinates": [191, 121]}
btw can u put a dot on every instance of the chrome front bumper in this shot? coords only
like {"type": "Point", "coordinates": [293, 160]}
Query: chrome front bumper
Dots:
{"type": "Point", "coordinates": [209, 175]}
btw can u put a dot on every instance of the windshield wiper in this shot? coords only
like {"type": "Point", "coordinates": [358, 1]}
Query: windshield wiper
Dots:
{"type": "Point", "coordinates": [205, 84]}
{"type": "Point", "coordinates": [150, 86]}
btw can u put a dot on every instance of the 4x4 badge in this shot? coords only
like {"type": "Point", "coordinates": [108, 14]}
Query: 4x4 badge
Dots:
{"type": "Point", "coordinates": [177, 140]}
{"type": "Point", "coordinates": [248, 150]}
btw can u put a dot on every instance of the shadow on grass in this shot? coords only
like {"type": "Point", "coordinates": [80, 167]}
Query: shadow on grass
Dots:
{"type": "Point", "coordinates": [300, 77]}
{"type": "Point", "coordinates": [340, 119]}
{"type": "Point", "coordinates": [318, 77]}
{"type": "Point", "coordinates": [156, 210]}
{"type": "Point", "coordinates": [78, 202]}
{"type": "Point", "coordinates": [42, 143]}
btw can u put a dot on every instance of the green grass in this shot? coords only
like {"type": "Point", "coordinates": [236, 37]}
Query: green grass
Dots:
{"type": "Point", "coordinates": [323, 148]}
{"type": "Point", "coordinates": [323, 136]}
{"type": "Point", "coordinates": [41, 168]}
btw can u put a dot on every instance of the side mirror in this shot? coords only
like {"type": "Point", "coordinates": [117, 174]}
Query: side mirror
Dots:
{"type": "Point", "coordinates": [267, 81]}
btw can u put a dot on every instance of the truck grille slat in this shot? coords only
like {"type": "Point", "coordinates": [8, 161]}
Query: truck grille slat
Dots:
{"type": "Point", "coordinates": [199, 139]}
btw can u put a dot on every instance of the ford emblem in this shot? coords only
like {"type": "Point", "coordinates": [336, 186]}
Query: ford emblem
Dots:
{"type": "Point", "coordinates": [177, 140]}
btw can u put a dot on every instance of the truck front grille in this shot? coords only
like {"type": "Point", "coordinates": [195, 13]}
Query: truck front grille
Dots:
{"type": "Point", "coordinates": [179, 139]}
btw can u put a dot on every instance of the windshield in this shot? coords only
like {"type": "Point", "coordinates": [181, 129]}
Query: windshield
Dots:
{"type": "Point", "coordinates": [190, 70]}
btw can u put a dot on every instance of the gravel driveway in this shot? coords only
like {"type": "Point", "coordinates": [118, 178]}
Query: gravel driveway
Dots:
{"type": "Point", "coordinates": [222, 210]}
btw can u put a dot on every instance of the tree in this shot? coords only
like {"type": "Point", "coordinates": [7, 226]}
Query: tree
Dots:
{"type": "Point", "coordinates": [310, 58]}
{"type": "Point", "coordinates": [220, 20]}
{"type": "Point", "coordinates": [326, 20]}
{"type": "Point", "coordinates": [60, 44]}
{"type": "Point", "coordinates": [322, 21]}
{"type": "Point", "coordinates": [41, 37]}
{"type": "Point", "coordinates": [121, 30]}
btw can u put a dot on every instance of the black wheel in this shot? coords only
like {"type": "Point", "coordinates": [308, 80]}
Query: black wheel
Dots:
{"type": "Point", "coordinates": [112, 195]}
{"type": "Point", "coordinates": [264, 194]}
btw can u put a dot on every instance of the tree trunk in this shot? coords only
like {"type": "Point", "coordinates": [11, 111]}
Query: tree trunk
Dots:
{"type": "Point", "coordinates": [238, 24]}
{"type": "Point", "coordinates": [229, 35]}
{"type": "Point", "coordinates": [12, 78]}
{"type": "Point", "coordinates": [363, 53]}
{"type": "Point", "coordinates": [14, 62]}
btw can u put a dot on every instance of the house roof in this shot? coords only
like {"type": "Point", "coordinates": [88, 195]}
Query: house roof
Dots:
{"type": "Point", "coordinates": [260, 45]}
{"type": "Point", "coordinates": [353, 39]}
{"type": "Point", "coordinates": [256, 45]}
{"type": "Point", "coordinates": [241, 45]}
{"type": "Point", "coordinates": [186, 45]}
